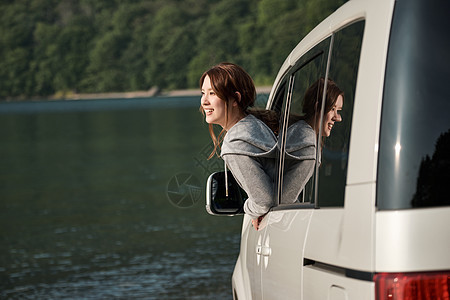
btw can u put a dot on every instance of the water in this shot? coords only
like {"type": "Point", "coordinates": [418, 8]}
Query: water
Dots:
{"type": "Point", "coordinates": [88, 208]}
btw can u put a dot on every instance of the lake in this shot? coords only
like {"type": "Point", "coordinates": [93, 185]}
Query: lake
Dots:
{"type": "Point", "coordinates": [105, 199]}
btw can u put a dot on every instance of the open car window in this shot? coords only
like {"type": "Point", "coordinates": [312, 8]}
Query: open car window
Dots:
{"type": "Point", "coordinates": [313, 167]}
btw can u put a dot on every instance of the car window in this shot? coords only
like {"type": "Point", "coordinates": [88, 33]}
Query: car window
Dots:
{"type": "Point", "coordinates": [414, 151]}
{"type": "Point", "coordinates": [278, 105]}
{"type": "Point", "coordinates": [343, 70]}
{"type": "Point", "coordinates": [298, 138]}
{"type": "Point", "coordinates": [313, 163]}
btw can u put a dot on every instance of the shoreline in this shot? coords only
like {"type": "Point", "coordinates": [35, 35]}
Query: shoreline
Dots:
{"type": "Point", "coordinates": [154, 92]}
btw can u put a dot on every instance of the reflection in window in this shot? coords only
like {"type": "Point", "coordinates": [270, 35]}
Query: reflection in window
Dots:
{"type": "Point", "coordinates": [343, 70]}
{"type": "Point", "coordinates": [415, 109]}
{"type": "Point", "coordinates": [307, 160]}
{"type": "Point", "coordinates": [299, 138]}
{"type": "Point", "coordinates": [434, 176]}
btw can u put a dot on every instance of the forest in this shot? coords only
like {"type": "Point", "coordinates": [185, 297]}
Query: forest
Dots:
{"type": "Point", "coordinates": [56, 47]}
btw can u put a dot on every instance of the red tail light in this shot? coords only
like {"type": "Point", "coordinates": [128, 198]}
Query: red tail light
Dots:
{"type": "Point", "coordinates": [412, 286]}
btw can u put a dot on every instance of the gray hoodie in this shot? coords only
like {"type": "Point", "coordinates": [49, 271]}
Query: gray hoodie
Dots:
{"type": "Point", "coordinates": [251, 151]}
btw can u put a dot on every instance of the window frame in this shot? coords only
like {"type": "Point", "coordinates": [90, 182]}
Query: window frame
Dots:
{"type": "Point", "coordinates": [287, 82]}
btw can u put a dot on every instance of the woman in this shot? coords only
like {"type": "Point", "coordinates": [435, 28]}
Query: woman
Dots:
{"type": "Point", "coordinates": [249, 146]}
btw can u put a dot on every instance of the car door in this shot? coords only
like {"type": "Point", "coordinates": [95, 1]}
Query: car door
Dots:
{"type": "Point", "coordinates": [297, 220]}
{"type": "Point", "coordinates": [287, 224]}
{"type": "Point", "coordinates": [252, 253]}
{"type": "Point", "coordinates": [250, 260]}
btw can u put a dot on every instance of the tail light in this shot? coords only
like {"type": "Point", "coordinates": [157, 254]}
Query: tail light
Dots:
{"type": "Point", "coordinates": [412, 286]}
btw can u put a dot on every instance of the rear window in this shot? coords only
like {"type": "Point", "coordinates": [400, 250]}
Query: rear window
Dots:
{"type": "Point", "coordinates": [414, 147]}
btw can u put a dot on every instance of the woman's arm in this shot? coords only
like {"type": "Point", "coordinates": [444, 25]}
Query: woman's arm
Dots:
{"type": "Point", "coordinates": [250, 174]}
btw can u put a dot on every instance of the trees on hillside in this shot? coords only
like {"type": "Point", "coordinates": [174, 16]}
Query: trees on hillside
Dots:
{"type": "Point", "coordinates": [57, 46]}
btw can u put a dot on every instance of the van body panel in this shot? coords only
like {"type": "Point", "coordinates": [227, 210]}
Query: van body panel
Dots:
{"type": "Point", "coordinates": [358, 238]}
{"type": "Point", "coordinates": [250, 260]}
{"type": "Point", "coordinates": [284, 237]}
{"type": "Point", "coordinates": [369, 92]}
{"type": "Point", "coordinates": [241, 277]}
{"type": "Point", "coordinates": [324, 238]}
{"type": "Point", "coordinates": [323, 283]}
{"type": "Point", "coordinates": [413, 240]}
{"type": "Point", "coordinates": [239, 282]}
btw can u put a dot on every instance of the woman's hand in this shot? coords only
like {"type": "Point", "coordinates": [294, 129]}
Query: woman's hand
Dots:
{"type": "Point", "coordinates": [256, 222]}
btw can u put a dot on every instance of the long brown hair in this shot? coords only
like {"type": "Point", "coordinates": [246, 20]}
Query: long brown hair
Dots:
{"type": "Point", "coordinates": [270, 117]}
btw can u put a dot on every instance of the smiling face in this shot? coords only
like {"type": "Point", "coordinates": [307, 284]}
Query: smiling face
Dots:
{"type": "Point", "coordinates": [332, 116]}
{"type": "Point", "coordinates": [227, 92]}
{"type": "Point", "coordinates": [214, 108]}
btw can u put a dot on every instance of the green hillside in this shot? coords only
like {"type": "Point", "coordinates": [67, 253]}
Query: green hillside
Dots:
{"type": "Point", "coordinates": [90, 46]}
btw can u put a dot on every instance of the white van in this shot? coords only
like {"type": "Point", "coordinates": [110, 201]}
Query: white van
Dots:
{"type": "Point", "coordinates": [373, 222]}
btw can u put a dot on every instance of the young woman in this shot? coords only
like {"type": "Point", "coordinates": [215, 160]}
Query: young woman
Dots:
{"type": "Point", "coordinates": [247, 144]}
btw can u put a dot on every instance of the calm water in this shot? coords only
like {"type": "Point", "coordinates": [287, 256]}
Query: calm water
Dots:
{"type": "Point", "coordinates": [105, 199]}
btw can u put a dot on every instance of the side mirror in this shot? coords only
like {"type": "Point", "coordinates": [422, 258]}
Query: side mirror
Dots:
{"type": "Point", "coordinates": [217, 202]}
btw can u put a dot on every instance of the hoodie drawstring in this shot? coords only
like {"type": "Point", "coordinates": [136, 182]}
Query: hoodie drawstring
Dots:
{"type": "Point", "coordinates": [226, 180]}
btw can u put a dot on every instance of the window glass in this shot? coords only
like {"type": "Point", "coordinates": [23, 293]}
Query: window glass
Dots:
{"type": "Point", "coordinates": [280, 97]}
{"type": "Point", "coordinates": [315, 156]}
{"type": "Point", "coordinates": [299, 137]}
{"type": "Point", "coordinates": [279, 106]}
{"type": "Point", "coordinates": [414, 147]}
{"type": "Point", "coordinates": [343, 71]}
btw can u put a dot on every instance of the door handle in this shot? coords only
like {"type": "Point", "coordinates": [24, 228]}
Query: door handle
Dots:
{"type": "Point", "coordinates": [266, 251]}
{"type": "Point", "coordinates": [263, 250]}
